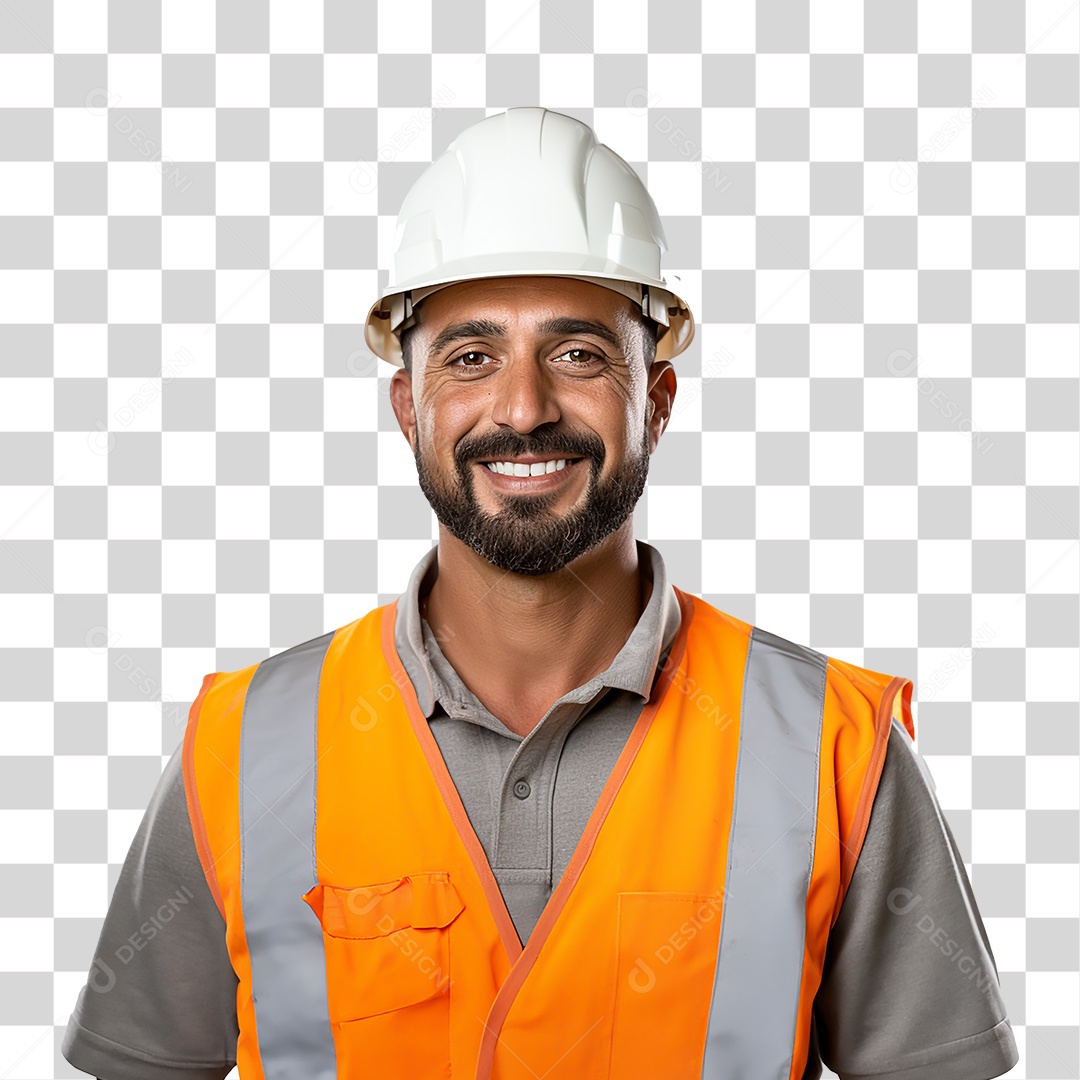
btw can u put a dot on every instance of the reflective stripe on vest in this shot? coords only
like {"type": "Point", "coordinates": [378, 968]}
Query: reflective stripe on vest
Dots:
{"type": "Point", "coordinates": [278, 862]}
{"type": "Point", "coordinates": [770, 858]}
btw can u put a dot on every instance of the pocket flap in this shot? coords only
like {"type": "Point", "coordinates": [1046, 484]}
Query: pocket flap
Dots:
{"type": "Point", "coordinates": [368, 911]}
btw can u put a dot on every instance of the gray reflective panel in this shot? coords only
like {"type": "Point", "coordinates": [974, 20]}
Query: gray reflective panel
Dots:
{"type": "Point", "coordinates": [277, 864]}
{"type": "Point", "coordinates": [751, 1032]}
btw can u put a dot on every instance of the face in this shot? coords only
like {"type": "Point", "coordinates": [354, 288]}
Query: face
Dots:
{"type": "Point", "coordinates": [538, 371]}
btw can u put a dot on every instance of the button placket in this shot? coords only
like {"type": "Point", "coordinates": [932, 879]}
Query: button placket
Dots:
{"type": "Point", "coordinates": [526, 840]}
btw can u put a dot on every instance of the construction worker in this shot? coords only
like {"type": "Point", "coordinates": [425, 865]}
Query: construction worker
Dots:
{"type": "Point", "coordinates": [546, 814]}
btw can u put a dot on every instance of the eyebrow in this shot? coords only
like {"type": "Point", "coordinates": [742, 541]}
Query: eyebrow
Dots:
{"type": "Point", "coordinates": [564, 324]}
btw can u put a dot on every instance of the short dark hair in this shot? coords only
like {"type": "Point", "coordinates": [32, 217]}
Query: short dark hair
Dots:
{"type": "Point", "coordinates": [650, 326]}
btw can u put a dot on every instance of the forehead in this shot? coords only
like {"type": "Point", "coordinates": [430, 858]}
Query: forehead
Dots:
{"type": "Point", "coordinates": [522, 301]}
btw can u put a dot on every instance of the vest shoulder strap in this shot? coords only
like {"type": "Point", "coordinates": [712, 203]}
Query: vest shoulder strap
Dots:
{"type": "Point", "coordinates": [881, 702]}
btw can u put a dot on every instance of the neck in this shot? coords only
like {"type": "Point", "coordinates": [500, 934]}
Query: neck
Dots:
{"type": "Point", "coordinates": [520, 642]}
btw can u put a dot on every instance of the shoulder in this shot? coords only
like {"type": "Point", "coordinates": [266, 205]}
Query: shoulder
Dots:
{"type": "Point", "coordinates": [230, 681]}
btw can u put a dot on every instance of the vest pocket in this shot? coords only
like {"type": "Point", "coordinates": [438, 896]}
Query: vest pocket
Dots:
{"type": "Point", "coordinates": [667, 945]}
{"type": "Point", "coordinates": [388, 973]}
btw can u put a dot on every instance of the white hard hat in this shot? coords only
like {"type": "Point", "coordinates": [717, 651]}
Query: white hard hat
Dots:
{"type": "Point", "coordinates": [528, 191]}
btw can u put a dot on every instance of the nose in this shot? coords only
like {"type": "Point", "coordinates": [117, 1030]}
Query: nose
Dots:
{"type": "Point", "coordinates": [523, 396]}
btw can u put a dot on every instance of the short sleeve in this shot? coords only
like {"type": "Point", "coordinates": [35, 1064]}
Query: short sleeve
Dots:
{"type": "Point", "coordinates": [910, 988]}
{"type": "Point", "coordinates": [160, 999]}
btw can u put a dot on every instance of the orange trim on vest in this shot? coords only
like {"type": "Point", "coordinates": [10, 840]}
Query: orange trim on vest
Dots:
{"type": "Point", "coordinates": [903, 712]}
{"type": "Point", "coordinates": [897, 690]}
{"type": "Point", "coordinates": [198, 826]}
{"type": "Point", "coordinates": [213, 764]}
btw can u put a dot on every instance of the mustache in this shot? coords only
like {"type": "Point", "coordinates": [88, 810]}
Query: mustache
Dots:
{"type": "Point", "coordinates": [507, 445]}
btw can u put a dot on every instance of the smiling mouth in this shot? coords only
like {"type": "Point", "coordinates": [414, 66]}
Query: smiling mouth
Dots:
{"type": "Point", "coordinates": [528, 469]}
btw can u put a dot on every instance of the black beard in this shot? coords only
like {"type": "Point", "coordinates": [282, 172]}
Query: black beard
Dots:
{"type": "Point", "coordinates": [526, 538]}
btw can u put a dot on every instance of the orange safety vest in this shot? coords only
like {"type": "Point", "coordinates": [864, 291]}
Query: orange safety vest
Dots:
{"type": "Point", "coordinates": [685, 939]}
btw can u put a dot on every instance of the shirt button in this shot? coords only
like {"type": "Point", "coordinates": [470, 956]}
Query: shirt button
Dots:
{"type": "Point", "coordinates": [522, 789]}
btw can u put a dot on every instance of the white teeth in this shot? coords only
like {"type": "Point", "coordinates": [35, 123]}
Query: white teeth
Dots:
{"type": "Point", "coordinates": [520, 468]}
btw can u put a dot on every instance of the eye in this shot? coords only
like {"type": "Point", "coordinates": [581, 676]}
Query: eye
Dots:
{"type": "Point", "coordinates": [580, 357]}
{"type": "Point", "coordinates": [468, 364]}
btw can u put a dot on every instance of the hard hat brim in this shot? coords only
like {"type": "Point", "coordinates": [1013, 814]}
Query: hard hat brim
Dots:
{"type": "Point", "coordinates": [386, 315]}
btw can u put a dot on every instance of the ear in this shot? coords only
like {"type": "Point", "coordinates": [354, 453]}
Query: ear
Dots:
{"type": "Point", "coordinates": [661, 393]}
{"type": "Point", "coordinates": [401, 399]}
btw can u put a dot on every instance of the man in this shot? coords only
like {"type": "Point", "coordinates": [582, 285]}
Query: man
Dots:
{"type": "Point", "coordinates": [546, 814]}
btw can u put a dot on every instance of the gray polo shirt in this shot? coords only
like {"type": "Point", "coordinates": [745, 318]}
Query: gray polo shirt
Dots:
{"type": "Point", "coordinates": [893, 1004]}
{"type": "Point", "coordinates": [529, 797]}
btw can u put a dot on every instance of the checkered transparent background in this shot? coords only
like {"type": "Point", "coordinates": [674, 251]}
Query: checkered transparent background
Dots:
{"type": "Point", "coordinates": [874, 448]}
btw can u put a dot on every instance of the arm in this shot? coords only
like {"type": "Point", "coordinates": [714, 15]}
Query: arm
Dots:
{"type": "Point", "coordinates": [909, 988]}
{"type": "Point", "coordinates": [160, 998]}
